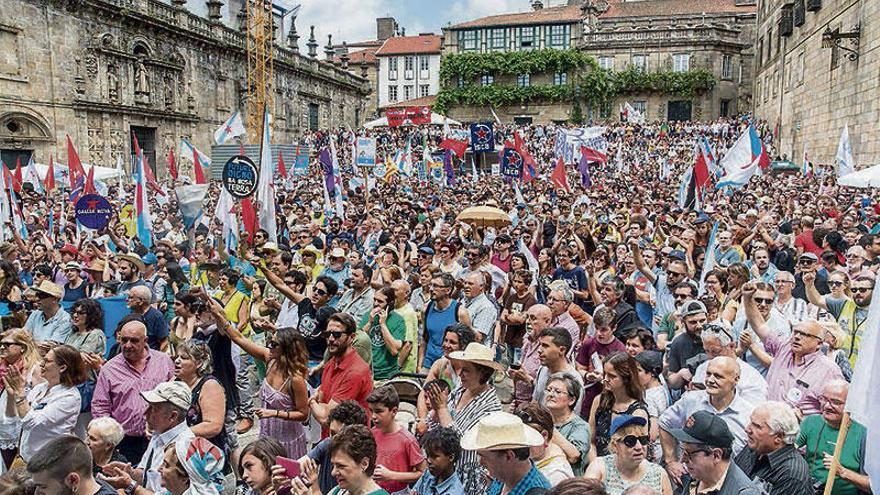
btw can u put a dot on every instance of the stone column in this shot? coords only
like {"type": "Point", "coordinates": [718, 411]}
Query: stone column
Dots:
{"type": "Point", "coordinates": [214, 7]}
{"type": "Point", "coordinates": [312, 44]}
{"type": "Point", "coordinates": [293, 37]}
{"type": "Point", "coordinates": [328, 49]}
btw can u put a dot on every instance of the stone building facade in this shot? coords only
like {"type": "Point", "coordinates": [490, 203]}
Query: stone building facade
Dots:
{"type": "Point", "coordinates": [100, 70]}
{"type": "Point", "coordinates": [652, 35]}
{"type": "Point", "coordinates": [810, 92]}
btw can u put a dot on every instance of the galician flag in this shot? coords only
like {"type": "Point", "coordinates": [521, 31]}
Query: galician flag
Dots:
{"type": "Point", "coordinates": [201, 161]}
{"type": "Point", "coordinates": [265, 190]}
{"type": "Point", "coordinates": [743, 160]}
{"type": "Point", "coordinates": [143, 220]}
{"type": "Point", "coordinates": [709, 260]}
{"type": "Point", "coordinates": [231, 128]}
{"type": "Point", "coordinates": [844, 157]}
{"type": "Point", "coordinates": [33, 177]}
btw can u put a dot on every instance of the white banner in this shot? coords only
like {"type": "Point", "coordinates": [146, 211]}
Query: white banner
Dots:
{"type": "Point", "coordinates": [366, 152]}
{"type": "Point", "coordinates": [569, 142]}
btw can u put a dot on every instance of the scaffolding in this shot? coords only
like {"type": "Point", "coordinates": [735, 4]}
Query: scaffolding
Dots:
{"type": "Point", "coordinates": [260, 75]}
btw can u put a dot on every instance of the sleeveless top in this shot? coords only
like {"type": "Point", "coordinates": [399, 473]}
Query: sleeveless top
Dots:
{"type": "Point", "coordinates": [603, 424]}
{"type": "Point", "coordinates": [73, 295]}
{"type": "Point", "coordinates": [436, 322]}
{"type": "Point", "coordinates": [615, 484]}
{"type": "Point", "coordinates": [194, 414]}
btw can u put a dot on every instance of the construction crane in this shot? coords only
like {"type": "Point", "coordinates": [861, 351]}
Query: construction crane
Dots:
{"type": "Point", "coordinates": [260, 71]}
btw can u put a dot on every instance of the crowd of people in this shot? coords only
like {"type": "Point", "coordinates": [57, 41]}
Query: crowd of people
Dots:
{"type": "Point", "coordinates": [603, 340]}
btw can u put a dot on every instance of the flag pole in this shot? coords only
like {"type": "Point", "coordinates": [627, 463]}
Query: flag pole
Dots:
{"type": "Point", "coordinates": [838, 449]}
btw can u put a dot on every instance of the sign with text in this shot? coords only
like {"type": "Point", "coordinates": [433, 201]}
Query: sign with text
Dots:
{"type": "Point", "coordinates": [482, 138]}
{"type": "Point", "coordinates": [408, 116]}
{"type": "Point", "coordinates": [569, 142]}
{"type": "Point", "coordinates": [93, 211]}
{"type": "Point", "coordinates": [240, 176]}
{"type": "Point", "coordinates": [366, 152]}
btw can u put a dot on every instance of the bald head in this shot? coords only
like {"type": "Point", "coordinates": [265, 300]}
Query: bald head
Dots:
{"type": "Point", "coordinates": [141, 292]}
{"type": "Point", "coordinates": [401, 291]}
{"type": "Point", "coordinates": [538, 317]}
{"type": "Point", "coordinates": [722, 375]}
{"type": "Point", "coordinates": [133, 341]}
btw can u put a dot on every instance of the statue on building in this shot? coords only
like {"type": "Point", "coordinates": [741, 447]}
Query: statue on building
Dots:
{"type": "Point", "coordinates": [590, 12]}
{"type": "Point", "coordinates": [112, 84]}
{"type": "Point", "coordinates": [142, 82]}
{"type": "Point", "coordinates": [169, 94]}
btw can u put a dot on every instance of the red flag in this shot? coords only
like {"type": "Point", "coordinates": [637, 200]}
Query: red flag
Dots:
{"type": "Point", "coordinates": [559, 178]}
{"type": "Point", "coordinates": [49, 183]}
{"type": "Point", "coordinates": [282, 170]}
{"type": "Point", "coordinates": [701, 173]}
{"type": "Point", "coordinates": [594, 156]}
{"type": "Point", "coordinates": [172, 166]}
{"type": "Point", "coordinates": [74, 165]}
{"type": "Point", "coordinates": [454, 145]}
{"type": "Point", "coordinates": [17, 179]}
{"type": "Point", "coordinates": [89, 188]}
{"type": "Point", "coordinates": [249, 216]}
{"type": "Point", "coordinates": [528, 165]}
{"type": "Point", "coordinates": [197, 168]}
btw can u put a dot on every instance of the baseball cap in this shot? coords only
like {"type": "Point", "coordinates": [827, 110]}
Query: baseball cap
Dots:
{"type": "Point", "coordinates": [701, 218]}
{"type": "Point", "coordinates": [693, 307]}
{"type": "Point", "coordinates": [809, 256]}
{"type": "Point", "coordinates": [150, 259]}
{"type": "Point", "coordinates": [623, 420]}
{"type": "Point", "coordinates": [677, 254]}
{"type": "Point", "coordinates": [703, 427]}
{"type": "Point", "coordinates": [337, 253]}
{"type": "Point", "coordinates": [650, 361]}
{"type": "Point", "coordinates": [177, 393]}
{"type": "Point", "coordinates": [504, 238]}
{"type": "Point", "coordinates": [426, 250]}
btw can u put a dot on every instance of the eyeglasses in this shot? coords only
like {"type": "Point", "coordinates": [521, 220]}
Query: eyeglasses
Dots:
{"type": "Point", "coordinates": [335, 335]}
{"type": "Point", "coordinates": [805, 262]}
{"type": "Point", "coordinates": [630, 440]}
{"type": "Point", "coordinates": [555, 391]}
{"type": "Point", "coordinates": [833, 402]}
{"type": "Point", "coordinates": [778, 282]}
{"type": "Point", "coordinates": [690, 454]}
{"type": "Point", "coordinates": [801, 333]}
{"type": "Point", "coordinates": [763, 300]}
{"type": "Point", "coordinates": [321, 292]}
{"type": "Point", "coordinates": [859, 290]}
{"type": "Point", "coordinates": [676, 274]}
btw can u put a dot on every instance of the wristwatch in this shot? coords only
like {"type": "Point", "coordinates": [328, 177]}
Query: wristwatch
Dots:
{"type": "Point", "coordinates": [132, 486]}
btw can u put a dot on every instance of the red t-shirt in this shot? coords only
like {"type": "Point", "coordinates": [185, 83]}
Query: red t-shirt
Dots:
{"type": "Point", "coordinates": [805, 241]}
{"type": "Point", "coordinates": [349, 379]}
{"type": "Point", "coordinates": [399, 452]}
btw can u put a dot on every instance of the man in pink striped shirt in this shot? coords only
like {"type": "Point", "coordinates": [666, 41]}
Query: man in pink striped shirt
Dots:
{"type": "Point", "coordinates": [122, 379]}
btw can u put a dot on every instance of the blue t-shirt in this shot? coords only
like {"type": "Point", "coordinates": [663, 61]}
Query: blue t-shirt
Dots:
{"type": "Point", "coordinates": [576, 278]}
{"type": "Point", "coordinates": [157, 328]}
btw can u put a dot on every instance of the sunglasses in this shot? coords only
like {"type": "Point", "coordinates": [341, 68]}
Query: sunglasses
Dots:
{"type": "Point", "coordinates": [805, 262]}
{"type": "Point", "coordinates": [630, 440]}
{"type": "Point", "coordinates": [321, 292]}
{"type": "Point", "coordinates": [763, 300]}
{"type": "Point", "coordinates": [335, 335]}
{"type": "Point", "coordinates": [859, 290]}
{"type": "Point", "coordinates": [677, 274]}
{"type": "Point", "coordinates": [835, 282]}
{"type": "Point", "coordinates": [4, 345]}
{"type": "Point", "coordinates": [801, 333]}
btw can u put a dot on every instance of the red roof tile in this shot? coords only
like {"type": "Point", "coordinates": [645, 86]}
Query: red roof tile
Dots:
{"type": "Point", "coordinates": [565, 14]}
{"type": "Point", "coordinates": [400, 45]}
{"type": "Point", "coordinates": [356, 57]}
{"type": "Point", "coordinates": [655, 8]}
{"type": "Point", "coordinates": [425, 101]}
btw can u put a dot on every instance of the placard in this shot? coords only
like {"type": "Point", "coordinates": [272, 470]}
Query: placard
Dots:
{"type": "Point", "coordinates": [93, 211]}
{"type": "Point", "coordinates": [366, 152]}
{"type": "Point", "coordinates": [482, 138]}
{"type": "Point", "coordinates": [240, 176]}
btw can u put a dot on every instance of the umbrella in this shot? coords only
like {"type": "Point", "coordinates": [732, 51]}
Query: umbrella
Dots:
{"type": "Point", "coordinates": [867, 177]}
{"type": "Point", "coordinates": [484, 216]}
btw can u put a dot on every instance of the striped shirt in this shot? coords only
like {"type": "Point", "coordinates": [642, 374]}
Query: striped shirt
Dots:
{"type": "Point", "coordinates": [468, 467]}
{"type": "Point", "coordinates": [118, 391]}
{"type": "Point", "coordinates": [784, 470]}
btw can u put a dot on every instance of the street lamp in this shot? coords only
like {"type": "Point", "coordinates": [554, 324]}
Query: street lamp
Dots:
{"type": "Point", "coordinates": [832, 39]}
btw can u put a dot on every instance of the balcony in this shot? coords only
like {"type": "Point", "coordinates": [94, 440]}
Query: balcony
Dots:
{"type": "Point", "coordinates": [786, 20]}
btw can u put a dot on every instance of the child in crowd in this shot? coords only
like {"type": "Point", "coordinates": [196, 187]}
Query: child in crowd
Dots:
{"type": "Point", "coordinates": [399, 459]}
{"type": "Point", "coordinates": [443, 448]}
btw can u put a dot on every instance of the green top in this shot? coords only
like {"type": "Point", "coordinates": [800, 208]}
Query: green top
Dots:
{"type": "Point", "coordinates": [384, 363]}
{"type": "Point", "coordinates": [411, 320]}
{"type": "Point", "coordinates": [337, 491]}
{"type": "Point", "coordinates": [818, 438]}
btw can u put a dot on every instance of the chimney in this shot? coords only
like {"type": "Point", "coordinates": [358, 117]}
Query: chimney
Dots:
{"type": "Point", "coordinates": [385, 27]}
{"type": "Point", "coordinates": [537, 4]}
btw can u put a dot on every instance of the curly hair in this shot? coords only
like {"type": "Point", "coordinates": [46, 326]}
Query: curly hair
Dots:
{"type": "Point", "coordinates": [200, 353]}
{"type": "Point", "coordinates": [294, 357]}
{"type": "Point", "coordinates": [92, 310]}
{"type": "Point", "coordinates": [357, 442]}
{"type": "Point", "coordinates": [445, 440]}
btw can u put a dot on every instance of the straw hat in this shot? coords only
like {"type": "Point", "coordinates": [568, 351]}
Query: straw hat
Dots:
{"type": "Point", "coordinates": [97, 265]}
{"type": "Point", "coordinates": [49, 288]}
{"type": "Point", "coordinates": [134, 260]}
{"type": "Point", "coordinates": [500, 431]}
{"type": "Point", "coordinates": [478, 354]}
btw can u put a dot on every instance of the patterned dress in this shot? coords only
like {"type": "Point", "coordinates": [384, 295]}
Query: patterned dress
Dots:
{"type": "Point", "coordinates": [615, 484]}
{"type": "Point", "coordinates": [470, 472]}
{"type": "Point", "coordinates": [290, 434]}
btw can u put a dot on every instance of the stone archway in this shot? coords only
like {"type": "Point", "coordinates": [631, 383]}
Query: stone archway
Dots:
{"type": "Point", "coordinates": [20, 134]}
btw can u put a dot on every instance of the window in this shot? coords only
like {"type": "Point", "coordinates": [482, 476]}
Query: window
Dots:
{"type": "Point", "coordinates": [640, 62]}
{"type": "Point", "coordinates": [557, 36]}
{"type": "Point", "coordinates": [523, 80]}
{"type": "Point", "coordinates": [769, 43]}
{"type": "Point", "coordinates": [424, 64]}
{"type": "Point", "coordinates": [487, 80]}
{"type": "Point", "coordinates": [408, 92]}
{"type": "Point", "coordinates": [726, 67]}
{"type": "Point", "coordinates": [392, 93]}
{"type": "Point", "coordinates": [605, 110]}
{"type": "Point", "coordinates": [408, 63]}
{"type": "Point", "coordinates": [760, 51]}
{"type": "Point", "coordinates": [725, 108]}
{"type": "Point", "coordinates": [392, 68]}
{"type": "Point", "coordinates": [681, 62]}
{"type": "Point", "coordinates": [526, 38]}
{"type": "Point", "coordinates": [460, 82]}
{"type": "Point", "coordinates": [498, 39]}
{"type": "Point", "coordinates": [606, 63]}
{"type": "Point", "coordinates": [467, 40]}
{"type": "Point", "coordinates": [313, 116]}
{"type": "Point", "coordinates": [424, 89]}
{"type": "Point", "coordinates": [560, 79]}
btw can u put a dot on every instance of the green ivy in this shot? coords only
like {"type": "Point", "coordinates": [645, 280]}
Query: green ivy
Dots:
{"type": "Point", "coordinates": [591, 83]}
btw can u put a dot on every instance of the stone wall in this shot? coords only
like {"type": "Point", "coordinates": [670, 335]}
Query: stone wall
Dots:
{"type": "Point", "coordinates": [812, 92]}
{"type": "Point", "coordinates": [98, 68]}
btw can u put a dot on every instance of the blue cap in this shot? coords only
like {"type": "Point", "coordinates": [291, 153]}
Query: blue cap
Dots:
{"type": "Point", "coordinates": [626, 420]}
{"type": "Point", "coordinates": [150, 259]}
{"type": "Point", "coordinates": [677, 254]}
{"type": "Point", "coordinates": [701, 218]}
{"type": "Point", "coordinates": [426, 250]}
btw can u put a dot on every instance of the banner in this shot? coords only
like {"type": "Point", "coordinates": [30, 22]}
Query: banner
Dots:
{"type": "Point", "coordinates": [569, 141]}
{"type": "Point", "coordinates": [482, 138]}
{"type": "Point", "coordinates": [511, 163]}
{"type": "Point", "coordinates": [301, 162]}
{"type": "Point", "coordinates": [408, 116]}
{"type": "Point", "coordinates": [366, 152]}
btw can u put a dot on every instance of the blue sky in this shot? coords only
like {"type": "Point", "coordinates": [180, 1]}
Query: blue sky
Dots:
{"type": "Point", "coordinates": [355, 20]}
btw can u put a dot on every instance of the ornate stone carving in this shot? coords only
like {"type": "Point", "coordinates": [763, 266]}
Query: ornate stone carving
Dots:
{"type": "Point", "coordinates": [112, 84]}
{"type": "Point", "coordinates": [91, 65]}
{"type": "Point", "coordinates": [169, 94]}
{"type": "Point", "coordinates": [117, 141]}
{"type": "Point", "coordinates": [78, 79]}
{"type": "Point", "coordinates": [142, 82]}
{"type": "Point", "coordinates": [96, 142]}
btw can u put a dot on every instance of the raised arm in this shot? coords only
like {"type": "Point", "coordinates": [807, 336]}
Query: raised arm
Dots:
{"type": "Point", "coordinates": [812, 293]}
{"type": "Point", "coordinates": [640, 262]}
{"type": "Point", "coordinates": [756, 321]}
